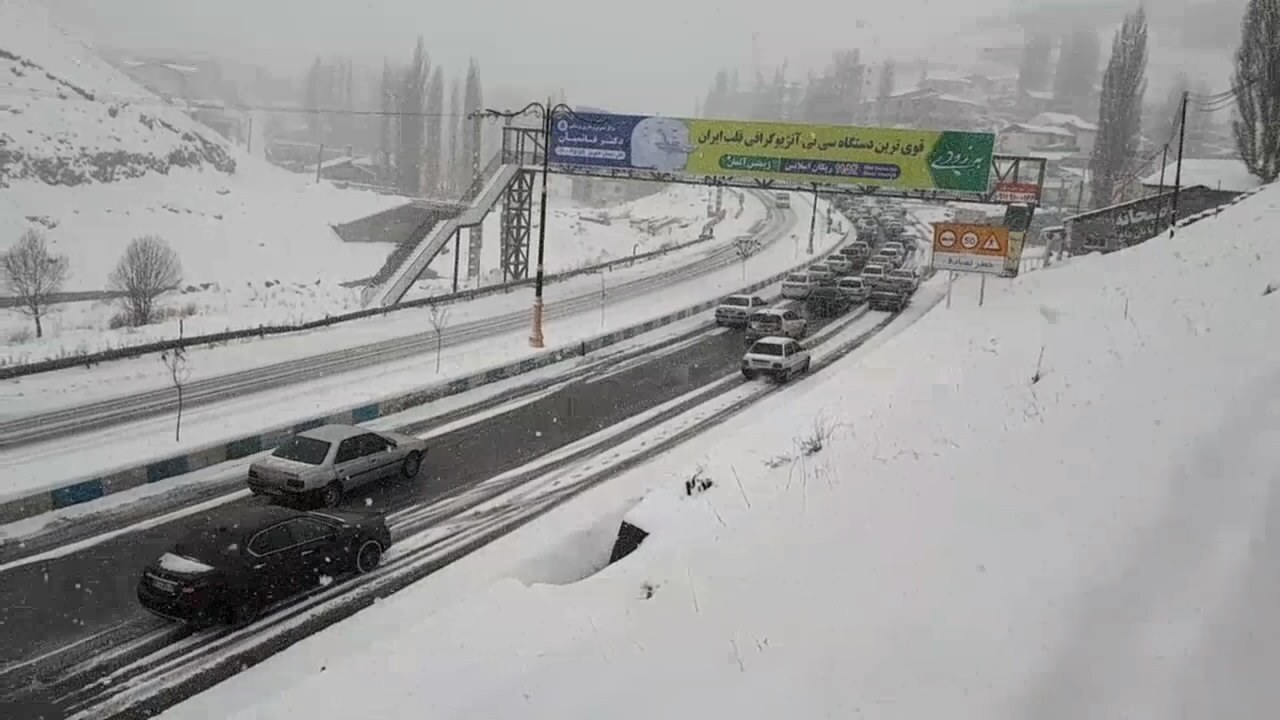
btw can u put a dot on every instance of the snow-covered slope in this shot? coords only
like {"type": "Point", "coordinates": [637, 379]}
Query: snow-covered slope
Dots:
{"type": "Point", "coordinates": [1057, 505]}
{"type": "Point", "coordinates": [95, 160]}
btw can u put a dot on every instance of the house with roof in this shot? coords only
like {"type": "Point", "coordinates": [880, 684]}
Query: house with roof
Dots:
{"type": "Point", "coordinates": [1084, 132]}
{"type": "Point", "coordinates": [1228, 175]}
{"type": "Point", "coordinates": [1027, 139]}
{"type": "Point", "coordinates": [924, 107]}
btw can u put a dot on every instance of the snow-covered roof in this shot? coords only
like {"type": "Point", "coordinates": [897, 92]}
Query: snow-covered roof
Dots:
{"type": "Point", "coordinates": [1038, 130]}
{"type": "Point", "coordinates": [912, 92]}
{"type": "Point", "coordinates": [1038, 94]}
{"type": "Point", "coordinates": [1226, 174]}
{"type": "Point", "coordinates": [947, 76]}
{"type": "Point", "coordinates": [957, 99]}
{"type": "Point", "coordinates": [1064, 120]}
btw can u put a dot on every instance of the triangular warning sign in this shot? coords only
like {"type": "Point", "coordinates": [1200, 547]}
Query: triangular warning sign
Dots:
{"type": "Point", "coordinates": [991, 243]}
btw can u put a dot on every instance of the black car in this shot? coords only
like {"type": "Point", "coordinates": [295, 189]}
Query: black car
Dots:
{"type": "Point", "coordinates": [827, 302]}
{"type": "Point", "coordinates": [245, 559]}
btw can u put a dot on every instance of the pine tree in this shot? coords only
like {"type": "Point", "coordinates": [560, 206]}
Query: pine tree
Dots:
{"type": "Point", "coordinates": [1256, 80]}
{"type": "Point", "coordinates": [433, 156]}
{"type": "Point", "coordinates": [455, 138]}
{"type": "Point", "coordinates": [1120, 110]}
{"type": "Point", "coordinates": [1033, 71]}
{"type": "Point", "coordinates": [1077, 71]}
{"type": "Point", "coordinates": [387, 122]}
{"type": "Point", "coordinates": [473, 99]}
{"type": "Point", "coordinates": [412, 96]}
{"type": "Point", "coordinates": [313, 99]}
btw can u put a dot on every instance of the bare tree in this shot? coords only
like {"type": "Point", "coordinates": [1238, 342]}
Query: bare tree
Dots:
{"type": "Point", "coordinates": [175, 361]}
{"type": "Point", "coordinates": [31, 274]}
{"type": "Point", "coordinates": [439, 318]}
{"type": "Point", "coordinates": [148, 269]}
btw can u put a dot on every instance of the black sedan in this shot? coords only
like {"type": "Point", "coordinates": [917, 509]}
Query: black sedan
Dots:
{"type": "Point", "coordinates": [246, 559]}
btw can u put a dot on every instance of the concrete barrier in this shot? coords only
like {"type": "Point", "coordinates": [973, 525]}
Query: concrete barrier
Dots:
{"type": "Point", "coordinates": [117, 480]}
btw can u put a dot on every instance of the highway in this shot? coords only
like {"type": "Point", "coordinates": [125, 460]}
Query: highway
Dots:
{"type": "Point", "coordinates": [120, 410]}
{"type": "Point", "coordinates": [59, 614]}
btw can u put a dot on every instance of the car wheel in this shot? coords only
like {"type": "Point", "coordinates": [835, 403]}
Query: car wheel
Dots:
{"type": "Point", "coordinates": [242, 613]}
{"type": "Point", "coordinates": [749, 374]}
{"type": "Point", "coordinates": [331, 495]}
{"type": "Point", "coordinates": [412, 465]}
{"type": "Point", "coordinates": [369, 556]}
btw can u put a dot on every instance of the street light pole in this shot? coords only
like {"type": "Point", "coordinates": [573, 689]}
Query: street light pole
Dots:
{"type": "Point", "coordinates": [536, 338]}
{"type": "Point", "coordinates": [813, 218]}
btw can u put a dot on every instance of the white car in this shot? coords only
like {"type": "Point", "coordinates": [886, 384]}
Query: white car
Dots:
{"type": "Point", "coordinates": [873, 275]}
{"type": "Point", "coordinates": [775, 322]}
{"type": "Point", "coordinates": [840, 264]}
{"type": "Point", "coordinates": [853, 288]}
{"type": "Point", "coordinates": [904, 279]}
{"type": "Point", "coordinates": [331, 460]}
{"type": "Point", "coordinates": [895, 246]}
{"type": "Point", "coordinates": [797, 286]}
{"type": "Point", "coordinates": [780, 358]}
{"type": "Point", "coordinates": [734, 310]}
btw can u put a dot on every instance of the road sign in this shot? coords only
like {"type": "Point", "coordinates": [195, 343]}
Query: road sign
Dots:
{"type": "Point", "coordinates": [963, 247]}
{"type": "Point", "coordinates": [1017, 192]}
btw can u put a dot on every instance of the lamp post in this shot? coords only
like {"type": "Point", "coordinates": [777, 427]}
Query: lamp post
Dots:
{"type": "Point", "coordinates": [548, 113]}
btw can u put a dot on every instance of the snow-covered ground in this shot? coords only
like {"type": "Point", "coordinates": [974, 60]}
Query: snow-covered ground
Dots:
{"type": "Point", "coordinates": [255, 242]}
{"type": "Point", "coordinates": [32, 467]}
{"type": "Point", "coordinates": [234, 302]}
{"type": "Point", "coordinates": [1057, 505]}
{"type": "Point", "coordinates": [576, 237]}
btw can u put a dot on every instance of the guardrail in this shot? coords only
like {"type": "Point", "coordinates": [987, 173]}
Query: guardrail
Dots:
{"type": "Point", "coordinates": [117, 480]}
{"type": "Point", "coordinates": [264, 330]}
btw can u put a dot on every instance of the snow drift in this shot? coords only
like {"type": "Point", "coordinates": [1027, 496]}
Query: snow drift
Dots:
{"type": "Point", "coordinates": [1053, 506]}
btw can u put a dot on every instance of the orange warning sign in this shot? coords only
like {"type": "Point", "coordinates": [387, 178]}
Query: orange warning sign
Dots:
{"type": "Point", "coordinates": [966, 239]}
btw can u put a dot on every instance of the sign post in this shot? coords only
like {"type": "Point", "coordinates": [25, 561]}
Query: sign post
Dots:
{"type": "Point", "coordinates": [965, 247]}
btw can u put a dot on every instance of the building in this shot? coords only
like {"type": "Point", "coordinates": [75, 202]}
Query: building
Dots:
{"type": "Point", "coordinates": [927, 108]}
{"type": "Point", "coordinates": [1225, 174]}
{"type": "Point", "coordinates": [1027, 139]}
{"type": "Point", "coordinates": [1084, 132]}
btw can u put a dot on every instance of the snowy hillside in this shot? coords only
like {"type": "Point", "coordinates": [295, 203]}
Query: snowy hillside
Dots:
{"type": "Point", "coordinates": [1053, 506]}
{"type": "Point", "coordinates": [94, 160]}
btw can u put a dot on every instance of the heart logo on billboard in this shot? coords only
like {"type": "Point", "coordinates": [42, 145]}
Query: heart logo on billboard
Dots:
{"type": "Point", "coordinates": [969, 240]}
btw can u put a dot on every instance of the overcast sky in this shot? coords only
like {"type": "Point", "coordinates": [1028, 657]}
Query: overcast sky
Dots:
{"type": "Point", "coordinates": [657, 56]}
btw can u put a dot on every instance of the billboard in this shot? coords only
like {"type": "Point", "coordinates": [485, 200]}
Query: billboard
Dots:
{"type": "Point", "coordinates": [902, 159]}
{"type": "Point", "coordinates": [962, 247]}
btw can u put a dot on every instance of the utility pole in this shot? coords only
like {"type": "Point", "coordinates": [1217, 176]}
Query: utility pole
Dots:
{"type": "Point", "coordinates": [813, 217]}
{"type": "Point", "coordinates": [1177, 174]}
{"type": "Point", "coordinates": [1164, 161]}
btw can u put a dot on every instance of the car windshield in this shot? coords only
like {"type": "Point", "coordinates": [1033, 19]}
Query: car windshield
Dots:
{"type": "Point", "coordinates": [765, 319]}
{"type": "Point", "coordinates": [737, 301]}
{"type": "Point", "coordinates": [871, 270]}
{"type": "Point", "coordinates": [906, 274]}
{"type": "Point", "coordinates": [797, 278]}
{"type": "Point", "coordinates": [303, 449]}
{"type": "Point", "coordinates": [852, 283]}
{"type": "Point", "coordinates": [766, 348]}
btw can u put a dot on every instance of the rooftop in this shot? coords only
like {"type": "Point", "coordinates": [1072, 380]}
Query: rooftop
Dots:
{"type": "Point", "coordinates": [1218, 174]}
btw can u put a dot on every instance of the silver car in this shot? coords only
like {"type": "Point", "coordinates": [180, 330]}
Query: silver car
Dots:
{"type": "Point", "coordinates": [331, 460]}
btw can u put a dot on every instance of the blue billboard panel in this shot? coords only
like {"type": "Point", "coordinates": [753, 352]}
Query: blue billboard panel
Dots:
{"type": "Point", "coordinates": [593, 139]}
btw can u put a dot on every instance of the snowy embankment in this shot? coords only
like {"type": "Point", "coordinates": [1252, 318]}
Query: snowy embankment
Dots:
{"type": "Point", "coordinates": [579, 235]}
{"type": "Point", "coordinates": [1053, 506]}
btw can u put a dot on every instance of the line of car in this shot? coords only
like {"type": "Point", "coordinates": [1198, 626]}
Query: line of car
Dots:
{"type": "Point", "coordinates": [873, 270]}
{"type": "Point", "coordinates": [243, 559]}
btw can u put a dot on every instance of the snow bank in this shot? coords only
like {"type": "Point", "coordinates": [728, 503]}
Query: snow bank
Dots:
{"type": "Point", "coordinates": [1050, 506]}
